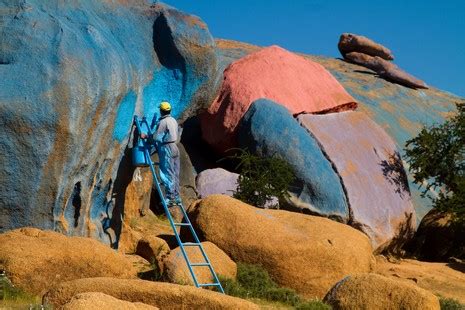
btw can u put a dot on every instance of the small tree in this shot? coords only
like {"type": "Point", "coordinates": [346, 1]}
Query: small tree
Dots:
{"type": "Point", "coordinates": [437, 159]}
{"type": "Point", "coordinates": [262, 178]}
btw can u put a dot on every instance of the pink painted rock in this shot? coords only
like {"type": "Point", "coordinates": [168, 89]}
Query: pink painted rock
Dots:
{"type": "Point", "coordinates": [299, 84]}
{"type": "Point", "coordinates": [349, 42]}
{"type": "Point", "coordinates": [371, 170]}
{"type": "Point", "coordinates": [386, 70]}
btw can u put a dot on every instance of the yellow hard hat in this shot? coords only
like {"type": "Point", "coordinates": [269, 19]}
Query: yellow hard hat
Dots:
{"type": "Point", "coordinates": [165, 106]}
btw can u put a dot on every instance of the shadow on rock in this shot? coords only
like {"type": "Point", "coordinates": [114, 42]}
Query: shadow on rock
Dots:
{"type": "Point", "coordinates": [394, 172]}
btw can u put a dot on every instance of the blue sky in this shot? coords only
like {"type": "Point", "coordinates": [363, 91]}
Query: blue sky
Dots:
{"type": "Point", "coordinates": [427, 37]}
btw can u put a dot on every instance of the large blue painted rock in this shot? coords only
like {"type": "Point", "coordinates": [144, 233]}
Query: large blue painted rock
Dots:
{"type": "Point", "coordinates": [72, 77]}
{"type": "Point", "coordinates": [269, 129]}
{"type": "Point", "coordinates": [399, 110]}
{"type": "Point", "coordinates": [371, 170]}
{"type": "Point", "coordinates": [187, 74]}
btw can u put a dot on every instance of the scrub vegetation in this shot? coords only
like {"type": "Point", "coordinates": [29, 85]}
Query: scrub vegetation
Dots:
{"type": "Point", "coordinates": [262, 178]}
{"type": "Point", "coordinates": [436, 157]}
{"type": "Point", "coordinates": [254, 282]}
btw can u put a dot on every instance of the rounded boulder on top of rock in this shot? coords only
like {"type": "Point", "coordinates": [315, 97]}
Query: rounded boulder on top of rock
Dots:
{"type": "Point", "coordinates": [299, 84]}
{"type": "Point", "coordinates": [375, 292]}
{"type": "Point", "coordinates": [365, 60]}
{"type": "Point", "coordinates": [176, 270]}
{"type": "Point", "coordinates": [302, 252]}
{"type": "Point", "coordinates": [268, 129]}
{"type": "Point", "coordinates": [98, 301]}
{"type": "Point", "coordinates": [35, 260]}
{"type": "Point", "coordinates": [393, 73]}
{"type": "Point", "coordinates": [349, 42]}
{"type": "Point", "coordinates": [370, 167]}
{"type": "Point", "coordinates": [158, 294]}
{"type": "Point", "coordinates": [386, 70]}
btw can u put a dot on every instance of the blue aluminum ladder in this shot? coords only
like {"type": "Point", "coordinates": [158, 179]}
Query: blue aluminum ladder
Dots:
{"type": "Point", "coordinates": [184, 223]}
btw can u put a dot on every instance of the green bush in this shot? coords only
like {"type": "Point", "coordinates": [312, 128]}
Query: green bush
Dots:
{"type": "Point", "coordinates": [437, 160]}
{"type": "Point", "coordinates": [253, 281]}
{"type": "Point", "coordinates": [450, 304]}
{"type": "Point", "coordinates": [262, 178]}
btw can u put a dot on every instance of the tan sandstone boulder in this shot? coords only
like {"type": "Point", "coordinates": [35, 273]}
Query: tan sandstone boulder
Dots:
{"type": "Point", "coordinates": [443, 279]}
{"type": "Point", "coordinates": [158, 294]}
{"type": "Point", "coordinates": [35, 260]}
{"type": "Point", "coordinates": [176, 269]}
{"type": "Point", "coordinates": [373, 292]}
{"type": "Point", "coordinates": [128, 239]}
{"type": "Point", "coordinates": [99, 301]}
{"type": "Point", "coordinates": [303, 252]}
{"type": "Point", "coordinates": [152, 248]}
{"type": "Point", "coordinates": [137, 193]}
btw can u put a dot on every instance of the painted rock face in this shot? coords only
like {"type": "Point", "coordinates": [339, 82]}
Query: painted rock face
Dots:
{"type": "Point", "coordinates": [279, 75]}
{"type": "Point", "coordinates": [371, 170]}
{"type": "Point", "coordinates": [73, 76]}
{"type": "Point", "coordinates": [269, 129]}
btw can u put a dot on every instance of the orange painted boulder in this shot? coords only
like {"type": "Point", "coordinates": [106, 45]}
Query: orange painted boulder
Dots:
{"type": "Point", "coordinates": [372, 173]}
{"type": "Point", "coordinates": [299, 84]}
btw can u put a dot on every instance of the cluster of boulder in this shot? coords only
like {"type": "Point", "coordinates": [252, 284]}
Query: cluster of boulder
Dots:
{"type": "Point", "coordinates": [75, 272]}
{"type": "Point", "coordinates": [315, 256]}
{"type": "Point", "coordinates": [365, 52]}
{"type": "Point", "coordinates": [344, 162]}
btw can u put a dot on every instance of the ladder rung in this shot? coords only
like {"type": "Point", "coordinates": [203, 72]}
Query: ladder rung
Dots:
{"type": "Point", "coordinates": [209, 284]}
{"type": "Point", "coordinates": [200, 264]}
{"type": "Point", "coordinates": [191, 244]}
{"type": "Point", "coordinates": [182, 224]}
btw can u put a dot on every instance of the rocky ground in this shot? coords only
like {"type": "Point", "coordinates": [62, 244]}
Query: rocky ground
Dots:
{"type": "Point", "coordinates": [306, 253]}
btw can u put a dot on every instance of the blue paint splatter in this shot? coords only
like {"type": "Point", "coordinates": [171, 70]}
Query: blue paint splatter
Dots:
{"type": "Point", "coordinates": [124, 116]}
